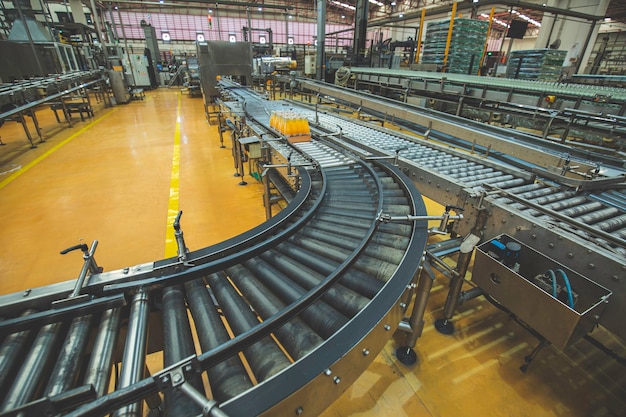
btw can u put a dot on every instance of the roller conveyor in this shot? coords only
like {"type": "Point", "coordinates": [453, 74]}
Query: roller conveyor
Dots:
{"type": "Point", "coordinates": [507, 183]}
{"type": "Point", "coordinates": [308, 297]}
{"type": "Point", "coordinates": [300, 304]}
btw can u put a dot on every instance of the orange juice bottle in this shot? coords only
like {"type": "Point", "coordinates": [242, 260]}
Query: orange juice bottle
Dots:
{"type": "Point", "coordinates": [273, 120]}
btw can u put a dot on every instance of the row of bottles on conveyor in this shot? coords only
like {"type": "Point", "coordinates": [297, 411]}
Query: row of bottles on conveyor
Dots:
{"type": "Point", "coordinates": [293, 125]}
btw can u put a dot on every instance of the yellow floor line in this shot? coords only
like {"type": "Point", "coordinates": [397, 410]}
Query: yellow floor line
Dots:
{"type": "Point", "coordinates": [172, 207]}
{"type": "Point", "coordinates": [49, 152]}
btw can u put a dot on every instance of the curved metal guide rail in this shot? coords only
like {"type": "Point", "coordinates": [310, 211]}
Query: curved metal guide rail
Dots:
{"type": "Point", "coordinates": [286, 315]}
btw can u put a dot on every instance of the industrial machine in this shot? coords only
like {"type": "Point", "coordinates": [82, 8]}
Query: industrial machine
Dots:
{"type": "Point", "coordinates": [223, 59]}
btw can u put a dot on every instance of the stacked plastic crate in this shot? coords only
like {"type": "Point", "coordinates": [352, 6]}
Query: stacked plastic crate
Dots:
{"type": "Point", "coordinates": [536, 64]}
{"type": "Point", "coordinates": [466, 46]}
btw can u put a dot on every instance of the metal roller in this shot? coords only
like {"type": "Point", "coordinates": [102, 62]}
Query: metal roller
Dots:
{"type": "Point", "coordinates": [559, 200]}
{"type": "Point", "coordinates": [296, 336]}
{"type": "Point", "coordinates": [67, 368]}
{"type": "Point", "coordinates": [581, 209]}
{"type": "Point", "coordinates": [376, 251]}
{"type": "Point", "coordinates": [134, 359]}
{"type": "Point", "coordinates": [35, 368]}
{"type": "Point", "coordinates": [393, 240]}
{"type": "Point", "coordinates": [228, 378]}
{"type": "Point", "coordinates": [265, 357]}
{"type": "Point", "coordinates": [101, 360]}
{"type": "Point", "coordinates": [377, 268]}
{"type": "Point", "coordinates": [12, 352]}
{"type": "Point", "coordinates": [612, 224]}
{"type": "Point", "coordinates": [599, 215]}
{"type": "Point", "coordinates": [321, 317]}
{"type": "Point", "coordinates": [362, 283]}
{"type": "Point", "coordinates": [341, 298]}
{"type": "Point", "coordinates": [178, 345]}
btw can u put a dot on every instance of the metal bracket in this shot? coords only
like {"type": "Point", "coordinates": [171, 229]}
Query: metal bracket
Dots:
{"type": "Point", "coordinates": [441, 229]}
{"type": "Point", "coordinates": [176, 377]}
{"type": "Point", "coordinates": [89, 264]}
{"type": "Point", "coordinates": [180, 241]}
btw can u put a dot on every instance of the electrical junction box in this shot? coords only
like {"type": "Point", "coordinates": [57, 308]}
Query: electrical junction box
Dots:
{"type": "Point", "coordinates": [524, 281]}
{"type": "Point", "coordinates": [310, 66]}
{"type": "Point", "coordinates": [252, 146]}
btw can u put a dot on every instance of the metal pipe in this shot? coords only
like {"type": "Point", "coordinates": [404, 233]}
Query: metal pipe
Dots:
{"type": "Point", "coordinates": [67, 368]}
{"type": "Point", "coordinates": [100, 363]}
{"type": "Point", "coordinates": [177, 345]}
{"type": "Point", "coordinates": [101, 40]}
{"type": "Point", "coordinates": [133, 362]}
{"type": "Point", "coordinates": [34, 368]}
{"type": "Point", "coordinates": [422, 293]}
{"type": "Point", "coordinates": [321, 40]}
{"type": "Point", "coordinates": [456, 283]}
{"type": "Point", "coordinates": [89, 265]}
{"type": "Point", "coordinates": [209, 407]}
{"type": "Point", "coordinates": [228, 378]}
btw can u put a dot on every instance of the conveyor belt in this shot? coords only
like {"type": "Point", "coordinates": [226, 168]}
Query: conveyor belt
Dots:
{"type": "Point", "coordinates": [286, 315]}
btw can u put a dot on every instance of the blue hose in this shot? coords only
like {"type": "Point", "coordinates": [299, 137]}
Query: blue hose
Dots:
{"type": "Point", "coordinates": [553, 278]}
{"type": "Point", "coordinates": [570, 297]}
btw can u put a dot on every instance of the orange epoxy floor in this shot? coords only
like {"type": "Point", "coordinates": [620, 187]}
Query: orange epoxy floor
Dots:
{"type": "Point", "coordinates": [110, 179]}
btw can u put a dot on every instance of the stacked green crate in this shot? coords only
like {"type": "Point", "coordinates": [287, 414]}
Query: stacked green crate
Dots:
{"type": "Point", "coordinates": [536, 64]}
{"type": "Point", "coordinates": [467, 41]}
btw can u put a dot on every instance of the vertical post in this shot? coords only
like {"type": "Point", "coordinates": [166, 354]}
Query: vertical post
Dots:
{"type": "Point", "coordinates": [130, 63]}
{"type": "Point", "coordinates": [579, 61]}
{"type": "Point", "coordinates": [321, 40]}
{"type": "Point", "coordinates": [406, 354]}
{"type": "Point", "coordinates": [360, 30]}
{"type": "Point", "coordinates": [419, 37]}
{"type": "Point", "coordinates": [219, 29]}
{"type": "Point", "coordinates": [482, 58]}
{"type": "Point", "coordinates": [449, 40]}
{"type": "Point", "coordinates": [96, 23]}
{"type": "Point", "coordinates": [444, 325]}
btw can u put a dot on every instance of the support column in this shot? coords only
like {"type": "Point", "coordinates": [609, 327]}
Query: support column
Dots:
{"type": "Point", "coordinates": [360, 31]}
{"type": "Point", "coordinates": [321, 40]}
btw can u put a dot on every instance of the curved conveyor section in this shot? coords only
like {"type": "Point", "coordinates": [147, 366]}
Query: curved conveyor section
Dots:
{"type": "Point", "coordinates": [286, 316]}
